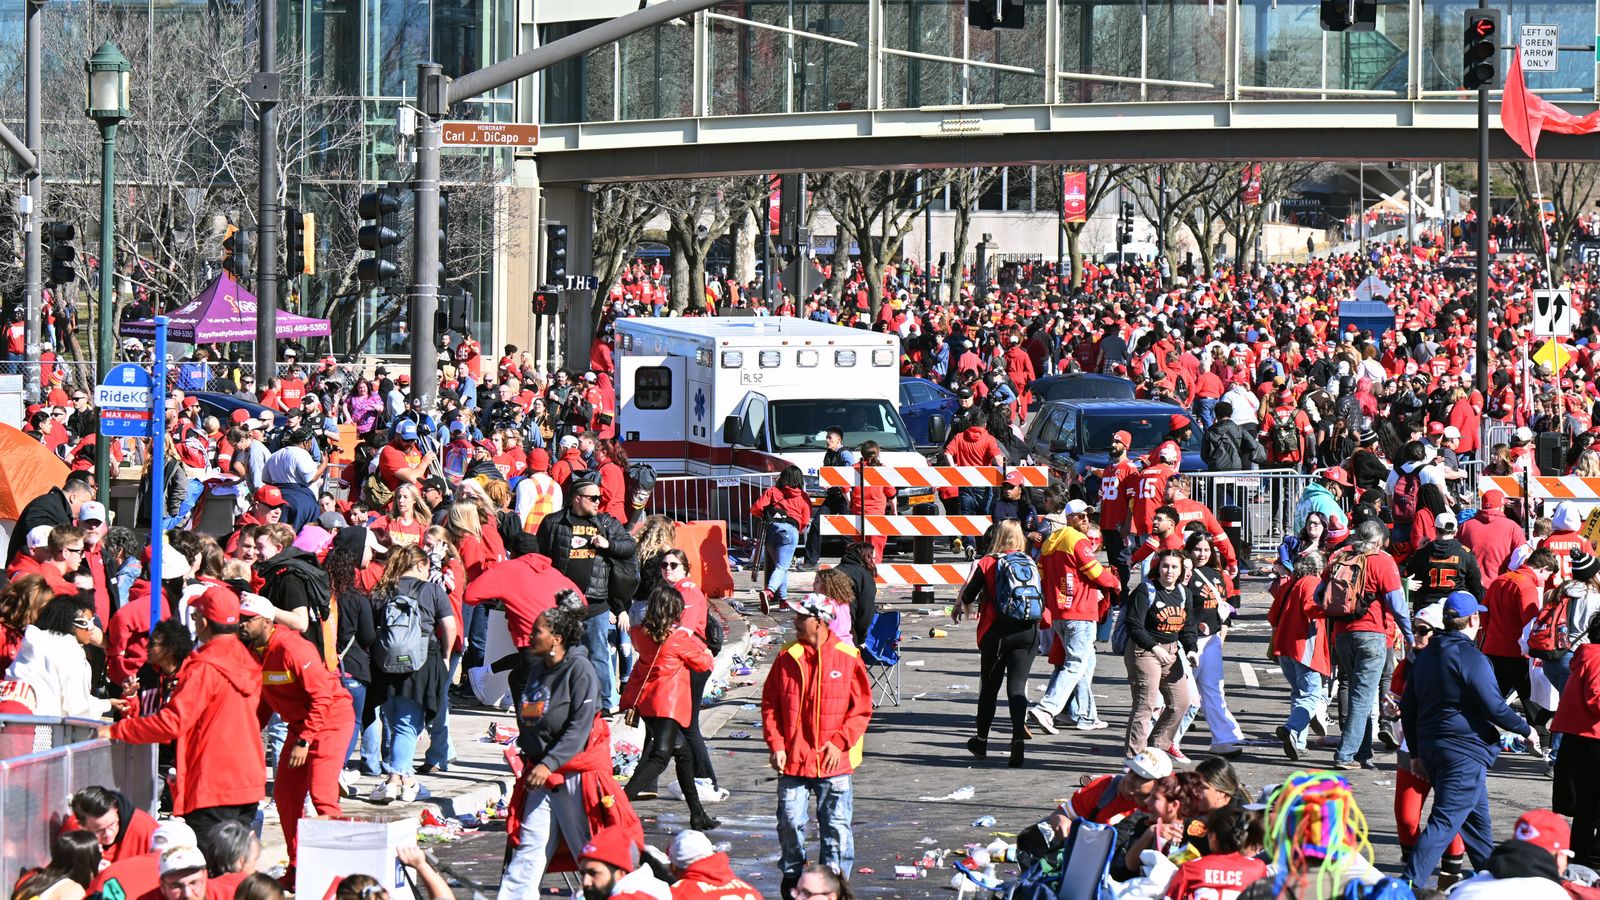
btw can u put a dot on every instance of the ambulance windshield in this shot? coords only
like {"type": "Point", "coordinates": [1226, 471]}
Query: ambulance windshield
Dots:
{"type": "Point", "coordinates": [803, 424]}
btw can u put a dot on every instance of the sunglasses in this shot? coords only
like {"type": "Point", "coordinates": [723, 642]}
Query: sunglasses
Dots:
{"type": "Point", "coordinates": [669, 565]}
{"type": "Point", "coordinates": [588, 496]}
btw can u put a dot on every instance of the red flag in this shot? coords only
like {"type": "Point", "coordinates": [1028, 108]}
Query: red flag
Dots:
{"type": "Point", "coordinates": [1524, 114]}
{"type": "Point", "coordinates": [1520, 122]}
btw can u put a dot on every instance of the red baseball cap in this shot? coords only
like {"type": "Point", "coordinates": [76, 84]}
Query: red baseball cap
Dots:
{"type": "Point", "coordinates": [1338, 475]}
{"type": "Point", "coordinates": [612, 846]}
{"type": "Point", "coordinates": [269, 495]}
{"type": "Point", "coordinates": [1545, 829]}
{"type": "Point", "coordinates": [1176, 422]}
{"type": "Point", "coordinates": [1494, 498]}
{"type": "Point", "coordinates": [1014, 478]}
{"type": "Point", "coordinates": [1436, 427]}
{"type": "Point", "coordinates": [1123, 438]}
{"type": "Point", "coordinates": [218, 604]}
{"type": "Point", "coordinates": [191, 402]}
{"type": "Point", "coordinates": [240, 416]}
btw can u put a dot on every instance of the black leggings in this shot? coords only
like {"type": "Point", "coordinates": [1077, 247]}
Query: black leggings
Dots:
{"type": "Point", "coordinates": [1005, 654]}
{"type": "Point", "coordinates": [697, 741]}
{"type": "Point", "coordinates": [665, 739]}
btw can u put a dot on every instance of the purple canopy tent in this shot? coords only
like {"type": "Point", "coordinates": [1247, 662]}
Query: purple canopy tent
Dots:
{"type": "Point", "coordinates": [223, 313]}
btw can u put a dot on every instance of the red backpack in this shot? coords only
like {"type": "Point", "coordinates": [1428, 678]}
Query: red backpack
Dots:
{"type": "Point", "coordinates": [1343, 594]}
{"type": "Point", "coordinates": [1404, 504]}
{"type": "Point", "coordinates": [1548, 639]}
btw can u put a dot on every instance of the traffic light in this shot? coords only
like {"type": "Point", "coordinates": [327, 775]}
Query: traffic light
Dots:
{"type": "Point", "coordinates": [444, 236]}
{"type": "Point", "coordinates": [236, 244]}
{"type": "Point", "coordinates": [546, 303]}
{"type": "Point", "coordinates": [60, 236]}
{"type": "Point", "coordinates": [991, 14]}
{"type": "Point", "coordinates": [555, 255]}
{"type": "Point", "coordinates": [1480, 49]}
{"type": "Point", "coordinates": [1349, 15]}
{"type": "Point", "coordinates": [380, 211]}
{"type": "Point", "coordinates": [299, 243]}
{"type": "Point", "coordinates": [1127, 211]}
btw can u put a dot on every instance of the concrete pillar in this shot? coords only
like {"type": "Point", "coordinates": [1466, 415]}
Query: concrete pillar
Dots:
{"type": "Point", "coordinates": [573, 206]}
{"type": "Point", "coordinates": [512, 315]}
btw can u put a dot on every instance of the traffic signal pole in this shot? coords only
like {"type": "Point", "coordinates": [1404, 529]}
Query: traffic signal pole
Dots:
{"type": "Point", "coordinates": [435, 97]}
{"type": "Point", "coordinates": [1481, 378]}
{"type": "Point", "coordinates": [264, 90]}
{"type": "Point", "coordinates": [33, 179]}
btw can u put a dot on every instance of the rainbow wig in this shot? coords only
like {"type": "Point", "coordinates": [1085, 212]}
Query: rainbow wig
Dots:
{"type": "Point", "coordinates": [1314, 828]}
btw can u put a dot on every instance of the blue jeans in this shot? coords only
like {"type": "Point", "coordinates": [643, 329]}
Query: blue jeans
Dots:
{"type": "Point", "coordinates": [277, 731]}
{"type": "Point", "coordinates": [597, 640]}
{"type": "Point", "coordinates": [1077, 639]}
{"type": "Point", "coordinates": [441, 749]}
{"type": "Point", "coordinates": [477, 631]}
{"type": "Point", "coordinates": [1307, 695]}
{"type": "Point", "coordinates": [549, 817]}
{"type": "Point", "coordinates": [1361, 656]}
{"type": "Point", "coordinates": [1460, 805]}
{"type": "Point", "coordinates": [371, 737]}
{"type": "Point", "coordinates": [1205, 409]}
{"type": "Point", "coordinates": [782, 538]}
{"type": "Point", "coordinates": [403, 723]}
{"type": "Point", "coordinates": [835, 807]}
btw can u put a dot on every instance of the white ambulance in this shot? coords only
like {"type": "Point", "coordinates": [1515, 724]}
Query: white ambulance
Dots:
{"type": "Point", "coordinates": [729, 396]}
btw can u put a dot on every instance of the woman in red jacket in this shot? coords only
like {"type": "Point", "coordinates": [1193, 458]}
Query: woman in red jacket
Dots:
{"type": "Point", "coordinates": [785, 510]}
{"type": "Point", "coordinates": [1302, 642]}
{"type": "Point", "coordinates": [658, 692]}
{"type": "Point", "coordinates": [1578, 765]}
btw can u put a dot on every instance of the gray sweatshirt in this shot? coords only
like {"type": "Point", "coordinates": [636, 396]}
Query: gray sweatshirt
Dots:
{"type": "Point", "coordinates": [557, 710]}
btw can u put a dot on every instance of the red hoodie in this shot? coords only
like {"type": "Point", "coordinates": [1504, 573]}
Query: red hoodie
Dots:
{"type": "Point", "coordinates": [299, 688]}
{"type": "Point", "coordinates": [712, 878]}
{"type": "Point", "coordinates": [526, 585]}
{"type": "Point", "coordinates": [212, 717]}
{"type": "Point", "coordinates": [128, 634]}
{"type": "Point", "coordinates": [1491, 537]}
{"type": "Point", "coordinates": [792, 501]}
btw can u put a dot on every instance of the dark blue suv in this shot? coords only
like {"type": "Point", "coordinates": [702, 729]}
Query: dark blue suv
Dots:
{"type": "Point", "coordinates": [1073, 436]}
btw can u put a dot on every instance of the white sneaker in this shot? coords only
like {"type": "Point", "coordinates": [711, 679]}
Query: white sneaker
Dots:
{"type": "Point", "coordinates": [1043, 719]}
{"type": "Point", "coordinates": [347, 782]}
{"type": "Point", "coordinates": [1096, 725]}
{"type": "Point", "coordinates": [409, 791]}
{"type": "Point", "coordinates": [384, 792]}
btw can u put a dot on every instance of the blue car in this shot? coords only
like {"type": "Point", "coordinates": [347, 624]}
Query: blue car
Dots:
{"type": "Point", "coordinates": [920, 401]}
{"type": "Point", "coordinates": [1073, 437]}
{"type": "Point", "coordinates": [222, 406]}
{"type": "Point", "coordinates": [1080, 386]}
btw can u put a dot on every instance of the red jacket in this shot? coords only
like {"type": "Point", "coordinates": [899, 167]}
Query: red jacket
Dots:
{"type": "Point", "coordinates": [712, 878]}
{"type": "Point", "coordinates": [299, 688]}
{"type": "Point", "coordinates": [1491, 537]}
{"type": "Point", "coordinates": [569, 462]}
{"type": "Point", "coordinates": [812, 697]}
{"type": "Point", "coordinates": [792, 501]}
{"type": "Point", "coordinates": [212, 717]}
{"type": "Point", "coordinates": [1070, 575]}
{"type": "Point", "coordinates": [128, 634]}
{"type": "Point", "coordinates": [613, 491]}
{"type": "Point", "coordinates": [526, 586]}
{"type": "Point", "coordinates": [1299, 630]}
{"type": "Point", "coordinates": [658, 686]}
{"type": "Point", "coordinates": [133, 838]}
{"type": "Point", "coordinates": [1512, 601]}
{"type": "Point", "coordinates": [1579, 711]}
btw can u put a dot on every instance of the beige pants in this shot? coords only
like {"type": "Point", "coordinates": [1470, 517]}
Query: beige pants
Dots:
{"type": "Point", "coordinates": [1150, 672]}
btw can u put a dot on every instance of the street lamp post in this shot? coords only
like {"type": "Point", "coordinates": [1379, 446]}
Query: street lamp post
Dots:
{"type": "Point", "coordinates": [107, 72]}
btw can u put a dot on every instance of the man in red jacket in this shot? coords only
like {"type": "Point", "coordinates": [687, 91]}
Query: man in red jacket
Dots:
{"type": "Point", "coordinates": [1513, 600]}
{"type": "Point", "coordinates": [212, 717]}
{"type": "Point", "coordinates": [122, 829]}
{"type": "Point", "coordinates": [703, 873]}
{"type": "Point", "coordinates": [1491, 536]}
{"type": "Point", "coordinates": [815, 707]}
{"type": "Point", "coordinates": [312, 701]}
{"type": "Point", "coordinates": [1073, 583]}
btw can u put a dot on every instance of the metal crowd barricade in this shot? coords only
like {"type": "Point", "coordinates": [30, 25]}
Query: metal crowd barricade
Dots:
{"type": "Point", "coordinates": [1497, 434]}
{"type": "Point", "coordinates": [44, 760]}
{"type": "Point", "coordinates": [1267, 498]}
{"type": "Point", "coordinates": [703, 497]}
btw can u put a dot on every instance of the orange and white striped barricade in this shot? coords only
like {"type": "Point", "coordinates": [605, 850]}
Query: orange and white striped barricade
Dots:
{"type": "Point", "coordinates": [838, 525]}
{"type": "Point", "coordinates": [929, 476]}
{"type": "Point", "coordinates": [1548, 487]}
{"type": "Point", "coordinates": [924, 574]}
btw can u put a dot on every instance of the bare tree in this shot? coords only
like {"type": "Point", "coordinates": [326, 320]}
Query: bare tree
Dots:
{"type": "Point", "coordinates": [1168, 195]}
{"type": "Point", "coordinates": [877, 210]}
{"type": "Point", "coordinates": [966, 186]}
{"type": "Point", "coordinates": [1569, 188]}
{"type": "Point", "coordinates": [698, 212]}
{"type": "Point", "coordinates": [1102, 182]}
{"type": "Point", "coordinates": [621, 213]}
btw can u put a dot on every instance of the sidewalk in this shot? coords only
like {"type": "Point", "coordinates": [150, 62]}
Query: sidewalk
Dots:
{"type": "Point", "coordinates": [480, 777]}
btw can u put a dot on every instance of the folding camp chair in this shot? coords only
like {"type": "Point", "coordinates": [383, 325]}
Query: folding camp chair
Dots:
{"type": "Point", "coordinates": [1085, 873]}
{"type": "Point", "coordinates": [881, 652]}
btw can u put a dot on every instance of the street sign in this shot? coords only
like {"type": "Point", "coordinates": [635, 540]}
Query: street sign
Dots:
{"type": "Point", "coordinates": [582, 282]}
{"type": "Point", "coordinates": [1538, 48]}
{"type": "Point", "coordinates": [125, 401]}
{"type": "Point", "coordinates": [489, 134]}
{"type": "Point", "coordinates": [1554, 356]}
{"type": "Point", "coordinates": [1552, 313]}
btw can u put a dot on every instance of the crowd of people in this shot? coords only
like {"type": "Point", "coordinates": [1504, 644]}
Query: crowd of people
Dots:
{"type": "Point", "coordinates": [362, 589]}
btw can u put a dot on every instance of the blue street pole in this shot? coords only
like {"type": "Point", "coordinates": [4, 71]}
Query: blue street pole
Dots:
{"type": "Point", "coordinates": [158, 464]}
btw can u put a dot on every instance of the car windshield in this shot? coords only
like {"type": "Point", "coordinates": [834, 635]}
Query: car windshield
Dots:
{"type": "Point", "coordinates": [1147, 431]}
{"type": "Point", "coordinates": [804, 424]}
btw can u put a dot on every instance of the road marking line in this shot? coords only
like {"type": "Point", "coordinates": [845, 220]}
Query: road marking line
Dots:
{"type": "Point", "coordinates": [1249, 673]}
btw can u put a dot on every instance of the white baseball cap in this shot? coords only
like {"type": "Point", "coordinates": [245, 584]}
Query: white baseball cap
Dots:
{"type": "Point", "coordinates": [92, 511]}
{"type": "Point", "coordinates": [1450, 431]}
{"type": "Point", "coordinates": [39, 536]}
{"type": "Point", "coordinates": [1150, 764]}
{"type": "Point", "coordinates": [689, 847]}
{"type": "Point", "coordinates": [171, 833]}
{"type": "Point", "coordinates": [1076, 507]}
{"type": "Point", "coordinates": [182, 859]}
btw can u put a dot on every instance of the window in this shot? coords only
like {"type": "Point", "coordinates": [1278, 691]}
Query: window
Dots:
{"type": "Point", "coordinates": [914, 392]}
{"type": "Point", "coordinates": [652, 387]}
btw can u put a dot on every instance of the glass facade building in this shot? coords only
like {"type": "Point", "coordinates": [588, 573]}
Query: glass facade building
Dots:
{"type": "Point", "coordinates": [798, 56]}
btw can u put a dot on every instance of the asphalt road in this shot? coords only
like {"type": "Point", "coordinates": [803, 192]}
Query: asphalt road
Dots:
{"type": "Point", "coordinates": [917, 751]}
